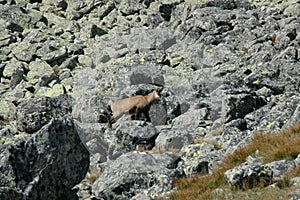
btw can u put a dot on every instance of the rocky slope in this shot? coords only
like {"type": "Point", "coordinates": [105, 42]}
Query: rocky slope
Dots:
{"type": "Point", "coordinates": [228, 68]}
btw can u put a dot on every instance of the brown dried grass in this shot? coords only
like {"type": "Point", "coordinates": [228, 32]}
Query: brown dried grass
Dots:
{"type": "Point", "coordinates": [271, 147]}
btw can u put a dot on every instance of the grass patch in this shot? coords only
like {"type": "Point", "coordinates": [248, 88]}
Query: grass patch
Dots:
{"type": "Point", "coordinates": [56, 70]}
{"type": "Point", "coordinates": [270, 146]}
{"type": "Point", "coordinates": [146, 148]}
{"type": "Point", "coordinates": [92, 177]}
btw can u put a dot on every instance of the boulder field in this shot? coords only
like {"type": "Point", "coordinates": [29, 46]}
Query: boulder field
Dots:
{"type": "Point", "coordinates": [228, 68]}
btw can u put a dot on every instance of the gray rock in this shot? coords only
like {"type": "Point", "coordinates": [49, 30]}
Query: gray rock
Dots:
{"type": "Point", "coordinates": [129, 135]}
{"type": "Point", "coordinates": [41, 72]}
{"type": "Point", "coordinates": [231, 137]}
{"type": "Point", "coordinates": [158, 113]}
{"type": "Point", "coordinates": [131, 174]}
{"type": "Point", "coordinates": [228, 68]}
{"type": "Point", "coordinates": [7, 109]}
{"type": "Point", "coordinates": [17, 76]}
{"type": "Point", "coordinates": [237, 106]}
{"type": "Point", "coordinates": [52, 50]}
{"type": "Point", "coordinates": [191, 120]}
{"type": "Point", "coordinates": [55, 152]}
{"type": "Point", "coordinates": [90, 109]}
{"type": "Point", "coordinates": [10, 67]}
{"type": "Point", "coordinates": [25, 51]}
{"type": "Point", "coordinates": [280, 168]}
{"type": "Point", "coordinates": [33, 114]}
{"type": "Point", "coordinates": [146, 74]}
{"type": "Point", "coordinates": [173, 139]}
{"type": "Point", "coordinates": [249, 176]}
{"type": "Point", "coordinates": [93, 136]}
{"type": "Point", "coordinates": [175, 107]}
{"type": "Point", "coordinates": [199, 158]}
{"type": "Point", "coordinates": [168, 159]}
{"type": "Point", "coordinates": [20, 19]}
{"type": "Point", "coordinates": [6, 37]}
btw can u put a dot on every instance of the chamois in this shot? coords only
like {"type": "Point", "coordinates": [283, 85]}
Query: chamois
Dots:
{"type": "Point", "coordinates": [133, 106]}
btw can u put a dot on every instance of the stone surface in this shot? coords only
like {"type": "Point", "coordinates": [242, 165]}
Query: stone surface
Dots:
{"type": "Point", "coordinates": [131, 173]}
{"type": "Point", "coordinates": [31, 115]}
{"type": "Point", "coordinates": [249, 176]}
{"type": "Point", "coordinates": [199, 158]}
{"type": "Point", "coordinates": [227, 69]}
{"type": "Point", "coordinates": [31, 167]}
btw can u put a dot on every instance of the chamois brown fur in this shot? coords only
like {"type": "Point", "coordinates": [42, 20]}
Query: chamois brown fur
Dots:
{"type": "Point", "coordinates": [132, 106]}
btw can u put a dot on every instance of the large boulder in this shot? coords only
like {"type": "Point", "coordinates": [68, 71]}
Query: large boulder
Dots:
{"type": "Point", "coordinates": [31, 167]}
{"type": "Point", "coordinates": [134, 172]}
{"type": "Point", "coordinates": [130, 135]}
{"type": "Point", "coordinates": [249, 176]}
{"type": "Point", "coordinates": [199, 158]}
{"type": "Point", "coordinates": [34, 113]}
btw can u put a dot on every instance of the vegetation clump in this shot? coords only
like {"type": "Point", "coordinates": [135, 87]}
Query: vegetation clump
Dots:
{"type": "Point", "coordinates": [270, 146]}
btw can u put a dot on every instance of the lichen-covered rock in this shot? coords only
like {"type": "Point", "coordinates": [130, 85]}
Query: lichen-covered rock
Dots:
{"type": "Point", "coordinates": [40, 72]}
{"type": "Point", "coordinates": [129, 135]}
{"type": "Point", "coordinates": [280, 168]}
{"type": "Point", "coordinates": [31, 167]}
{"type": "Point", "coordinates": [17, 19]}
{"type": "Point", "coordinates": [32, 114]}
{"type": "Point", "coordinates": [277, 110]}
{"type": "Point", "coordinates": [7, 108]}
{"type": "Point", "coordinates": [94, 137]}
{"type": "Point", "coordinates": [173, 139]}
{"type": "Point", "coordinates": [146, 74]}
{"type": "Point", "coordinates": [227, 68]}
{"type": "Point", "coordinates": [249, 176]}
{"type": "Point", "coordinates": [131, 174]}
{"type": "Point", "coordinates": [52, 50]}
{"type": "Point", "coordinates": [25, 51]}
{"type": "Point", "coordinates": [199, 158]}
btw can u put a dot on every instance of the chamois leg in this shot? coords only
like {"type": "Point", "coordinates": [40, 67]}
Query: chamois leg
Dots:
{"type": "Point", "coordinates": [111, 121]}
{"type": "Point", "coordinates": [134, 113]}
{"type": "Point", "coordinates": [146, 114]}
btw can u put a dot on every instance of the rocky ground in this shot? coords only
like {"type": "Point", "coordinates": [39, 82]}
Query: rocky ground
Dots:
{"type": "Point", "coordinates": [227, 68]}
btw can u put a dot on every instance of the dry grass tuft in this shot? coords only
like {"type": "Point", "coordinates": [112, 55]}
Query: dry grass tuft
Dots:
{"type": "Point", "coordinates": [56, 70]}
{"type": "Point", "coordinates": [92, 177]}
{"type": "Point", "coordinates": [271, 147]}
{"type": "Point", "coordinates": [149, 148]}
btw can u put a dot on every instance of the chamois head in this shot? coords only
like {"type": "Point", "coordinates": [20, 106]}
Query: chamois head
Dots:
{"type": "Point", "coordinates": [153, 95]}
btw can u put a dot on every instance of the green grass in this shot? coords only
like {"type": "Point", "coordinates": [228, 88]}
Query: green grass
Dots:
{"type": "Point", "coordinates": [271, 147]}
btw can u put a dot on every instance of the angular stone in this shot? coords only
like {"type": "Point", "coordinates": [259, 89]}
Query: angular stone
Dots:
{"type": "Point", "coordinates": [41, 72]}
{"type": "Point", "coordinates": [129, 135]}
{"type": "Point", "coordinates": [25, 51]}
{"type": "Point", "coordinates": [6, 110]}
{"type": "Point", "coordinates": [249, 176]}
{"type": "Point", "coordinates": [130, 175]}
{"type": "Point", "coordinates": [33, 166]}
{"type": "Point", "coordinates": [280, 168]}
{"type": "Point", "coordinates": [32, 114]}
{"type": "Point", "coordinates": [198, 158]}
{"type": "Point", "coordinates": [146, 75]}
{"type": "Point", "coordinates": [172, 140]}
